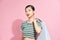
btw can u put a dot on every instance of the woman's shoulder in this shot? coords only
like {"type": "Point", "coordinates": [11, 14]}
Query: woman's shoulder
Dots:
{"type": "Point", "coordinates": [38, 20]}
{"type": "Point", "coordinates": [24, 22]}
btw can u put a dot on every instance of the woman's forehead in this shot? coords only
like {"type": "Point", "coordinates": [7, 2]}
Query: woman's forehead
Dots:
{"type": "Point", "coordinates": [29, 8]}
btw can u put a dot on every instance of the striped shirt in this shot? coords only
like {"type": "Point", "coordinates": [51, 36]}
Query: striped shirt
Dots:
{"type": "Point", "coordinates": [28, 29]}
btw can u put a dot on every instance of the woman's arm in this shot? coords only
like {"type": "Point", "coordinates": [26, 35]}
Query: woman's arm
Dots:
{"type": "Point", "coordinates": [37, 27]}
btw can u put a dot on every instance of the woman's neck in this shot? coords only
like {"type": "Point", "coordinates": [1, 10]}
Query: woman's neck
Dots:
{"type": "Point", "coordinates": [31, 19]}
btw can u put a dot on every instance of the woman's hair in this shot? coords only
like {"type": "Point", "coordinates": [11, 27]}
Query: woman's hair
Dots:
{"type": "Point", "coordinates": [30, 6]}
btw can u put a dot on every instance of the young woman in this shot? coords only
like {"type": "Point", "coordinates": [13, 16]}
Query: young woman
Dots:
{"type": "Point", "coordinates": [32, 26]}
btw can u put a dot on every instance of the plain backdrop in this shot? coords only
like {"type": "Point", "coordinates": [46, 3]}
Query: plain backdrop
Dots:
{"type": "Point", "coordinates": [12, 14]}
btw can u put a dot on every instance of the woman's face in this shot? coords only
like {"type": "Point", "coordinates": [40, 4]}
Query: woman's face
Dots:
{"type": "Point", "coordinates": [29, 12]}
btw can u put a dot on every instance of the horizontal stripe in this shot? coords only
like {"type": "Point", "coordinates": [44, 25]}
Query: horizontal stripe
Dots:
{"type": "Point", "coordinates": [28, 30]}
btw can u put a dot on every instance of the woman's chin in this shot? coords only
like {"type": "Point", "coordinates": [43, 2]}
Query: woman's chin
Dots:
{"type": "Point", "coordinates": [28, 16]}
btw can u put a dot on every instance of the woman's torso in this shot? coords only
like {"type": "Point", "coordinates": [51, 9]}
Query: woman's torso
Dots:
{"type": "Point", "coordinates": [28, 31]}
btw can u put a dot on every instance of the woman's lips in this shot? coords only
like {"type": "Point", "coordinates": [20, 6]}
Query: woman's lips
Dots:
{"type": "Point", "coordinates": [27, 14]}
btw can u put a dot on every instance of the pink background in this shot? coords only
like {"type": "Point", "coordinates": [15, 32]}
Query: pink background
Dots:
{"type": "Point", "coordinates": [12, 14]}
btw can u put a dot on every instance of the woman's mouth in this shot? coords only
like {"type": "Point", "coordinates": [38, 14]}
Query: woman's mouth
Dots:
{"type": "Point", "coordinates": [27, 14]}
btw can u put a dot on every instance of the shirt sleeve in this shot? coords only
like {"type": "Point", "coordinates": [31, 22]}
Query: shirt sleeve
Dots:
{"type": "Point", "coordinates": [39, 22]}
{"type": "Point", "coordinates": [21, 29]}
